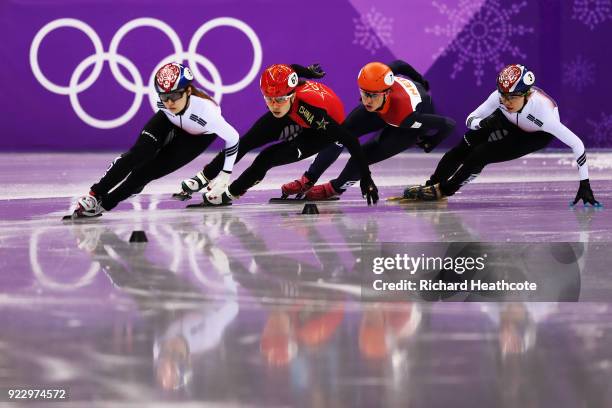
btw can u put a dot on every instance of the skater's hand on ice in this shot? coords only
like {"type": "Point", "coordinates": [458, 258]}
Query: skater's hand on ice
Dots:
{"type": "Point", "coordinates": [586, 194]}
{"type": "Point", "coordinates": [369, 191]}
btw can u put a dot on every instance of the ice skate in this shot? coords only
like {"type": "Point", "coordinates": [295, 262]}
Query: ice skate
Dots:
{"type": "Point", "coordinates": [215, 201]}
{"type": "Point", "coordinates": [296, 187]}
{"type": "Point", "coordinates": [190, 186]}
{"type": "Point", "coordinates": [322, 192]}
{"type": "Point", "coordinates": [88, 206]}
{"type": "Point", "coordinates": [430, 193]}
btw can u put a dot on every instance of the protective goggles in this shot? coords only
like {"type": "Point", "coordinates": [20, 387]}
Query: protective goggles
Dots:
{"type": "Point", "coordinates": [172, 96]}
{"type": "Point", "coordinates": [370, 95]}
{"type": "Point", "coordinates": [277, 99]}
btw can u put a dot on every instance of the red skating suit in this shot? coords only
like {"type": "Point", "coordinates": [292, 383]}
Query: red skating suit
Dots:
{"type": "Point", "coordinates": [313, 102]}
{"type": "Point", "coordinates": [401, 102]}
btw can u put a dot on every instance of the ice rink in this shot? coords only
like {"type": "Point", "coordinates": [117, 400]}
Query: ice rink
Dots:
{"type": "Point", "coordinates": [255, 304]}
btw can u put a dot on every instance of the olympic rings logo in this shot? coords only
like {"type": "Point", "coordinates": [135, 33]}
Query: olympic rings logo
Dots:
{"type": "Point", "coordinates": [138, 87]}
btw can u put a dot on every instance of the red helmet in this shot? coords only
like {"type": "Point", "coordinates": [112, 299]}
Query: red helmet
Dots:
{"type": "Point", "coordinates": [278, 80]}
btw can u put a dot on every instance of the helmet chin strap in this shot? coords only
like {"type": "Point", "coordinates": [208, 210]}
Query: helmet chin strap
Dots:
{"type": "Point", "coordinates": [382, 105]}
{"type": "Point", "coordinates": [524, 102]}
{"type": "Point", "coordinates": [290, 103]}
{"type": "Point", "coordinates": [186, 105]}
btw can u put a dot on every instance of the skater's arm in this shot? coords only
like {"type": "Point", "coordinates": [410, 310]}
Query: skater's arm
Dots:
{"type": "Point", "coordinates": [217, 124]}
{"type": "Point", "coordinates": [435, 128]}
{"type": "Point", "coordinates": [440, 124]}
{"type": "Point", "coordinates": [484, 110]}
{"type": "Point", "coordinates": [403, 68]}
{"type": "Point", "coordinates": [561, 132]}
{"type": "Point", "coordinates": [351, 143]}
{"type": "Point", "coordinates": [321, 121]}
{"type": "Point", "coordinates": [368, 189]}
{"type": "Point", "coordinates": [551, 124]}
{"type": "Point", "coordinates": [313, 71]}
{"type": "Point", "coordinates": [324, 159]}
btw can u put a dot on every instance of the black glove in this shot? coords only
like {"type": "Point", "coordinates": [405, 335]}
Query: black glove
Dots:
{"type": "Point", "coordinates": [494, 121]}
{"type": "Point", "coordinates": [425, 84]}
{"type": "Point", "coordinates": [313, 71]}
{"type": "Point", "coordinates": [586, 194]}
{"type": "Point", "coordinates": [368, 189]}
{"type": "Point", "coordinates": [428, 143]}
{"type": "Point", "coordinates": [316, 71]}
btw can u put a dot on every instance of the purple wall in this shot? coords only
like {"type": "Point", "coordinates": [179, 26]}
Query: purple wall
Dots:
{"type": "Point", "coordinates": [459, 44]}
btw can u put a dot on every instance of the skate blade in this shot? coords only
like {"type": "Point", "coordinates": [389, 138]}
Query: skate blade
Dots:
{"type": "Point", "coordinates": [204, 204]}
{"type": "Point", "coordinates": [75, 217]}
{"type": "Point", "coordinates": [400, 199]}
{"type": "Point", "coordinates": [181, 196]}
{"type": "Point", "coordinates": [299, 200]}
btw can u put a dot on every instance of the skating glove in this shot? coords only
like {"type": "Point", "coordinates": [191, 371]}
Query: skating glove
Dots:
{"type": "Point", "coordinates": [428, 143]}
{"type": "Point", "coordinates": [586, 194]}
{"type": "Point", "coordinates": [218, 185]}
{"type": "Point", "coordinates": [369, 191]}
{"type": "Point", "coordinates": [313, 71]}
{"type": "Point", "coordinates": [425, 84]}
{"type": "Point", "coordinates": [494, 121]}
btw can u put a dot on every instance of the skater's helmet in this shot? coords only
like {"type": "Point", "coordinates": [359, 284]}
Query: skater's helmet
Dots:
{"type": "Point", "coordinates": [278, 80]}
{"type": "Point", "coordinates": [375, 77]}
{"type": "Point", "coordinates": [172, 77]}
{"type": "Point", "coordinates": [515, 79]}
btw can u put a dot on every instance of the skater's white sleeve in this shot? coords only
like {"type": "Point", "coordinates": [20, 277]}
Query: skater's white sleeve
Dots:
{"type": "Point", "coordinates": [552, 124]}
{"type": "Point", "coordinates": [216, 123]}
{"type": "Point", "coordinates": [484, 110]}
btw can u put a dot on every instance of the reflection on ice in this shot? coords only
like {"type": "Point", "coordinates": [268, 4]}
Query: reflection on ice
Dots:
{"type": "Point", "coordinates": [258, 305]}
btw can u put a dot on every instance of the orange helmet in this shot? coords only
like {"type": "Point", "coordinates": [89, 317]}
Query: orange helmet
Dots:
{"type": "Point", "coordinates": [375, 77]}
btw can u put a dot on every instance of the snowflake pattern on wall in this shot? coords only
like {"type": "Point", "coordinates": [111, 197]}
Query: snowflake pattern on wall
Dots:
{"type": "Point", "coordinates": [579, 73]}
{"type": "Point", "coordinates": [480, 35]}
{"type": "Point", "coordinates": [602, 131]}
{"type": "Point", "coordinates": [373, 30]}
{"type": "Point", "coordinates": [592, 12]}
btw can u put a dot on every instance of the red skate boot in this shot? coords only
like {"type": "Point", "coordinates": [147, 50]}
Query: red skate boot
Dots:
{"type": "Point", "coordinates": [322, 192]}
{"type": "Point", "coordinates": [297, 187]}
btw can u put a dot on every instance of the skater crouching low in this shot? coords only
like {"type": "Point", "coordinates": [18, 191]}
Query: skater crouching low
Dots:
{"type": "Point", "coordinates": [187, 122]}
{"type": "Point", "coordinates": [515, 120]}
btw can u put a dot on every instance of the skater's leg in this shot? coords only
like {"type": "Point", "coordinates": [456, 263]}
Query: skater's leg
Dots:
{"type": "Point", "coordinates": [390, 142]}
{"type": "Point", "coordinates": [452, 160]}
{"type": "Point", "coordinates": [267, 129]}
{"type": "Point", "coordinates": [514, 145]}
{"type": "Point", "coordinates": [359, 122]}
{"type": "Point", "coordinates": [181, 150]}
{"type": "Point", "coordinates": [154, 135]}
{"type": "Point", "coordinates": [322, 162]}
{"type": "Point", "coordinates": [306, 144]}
